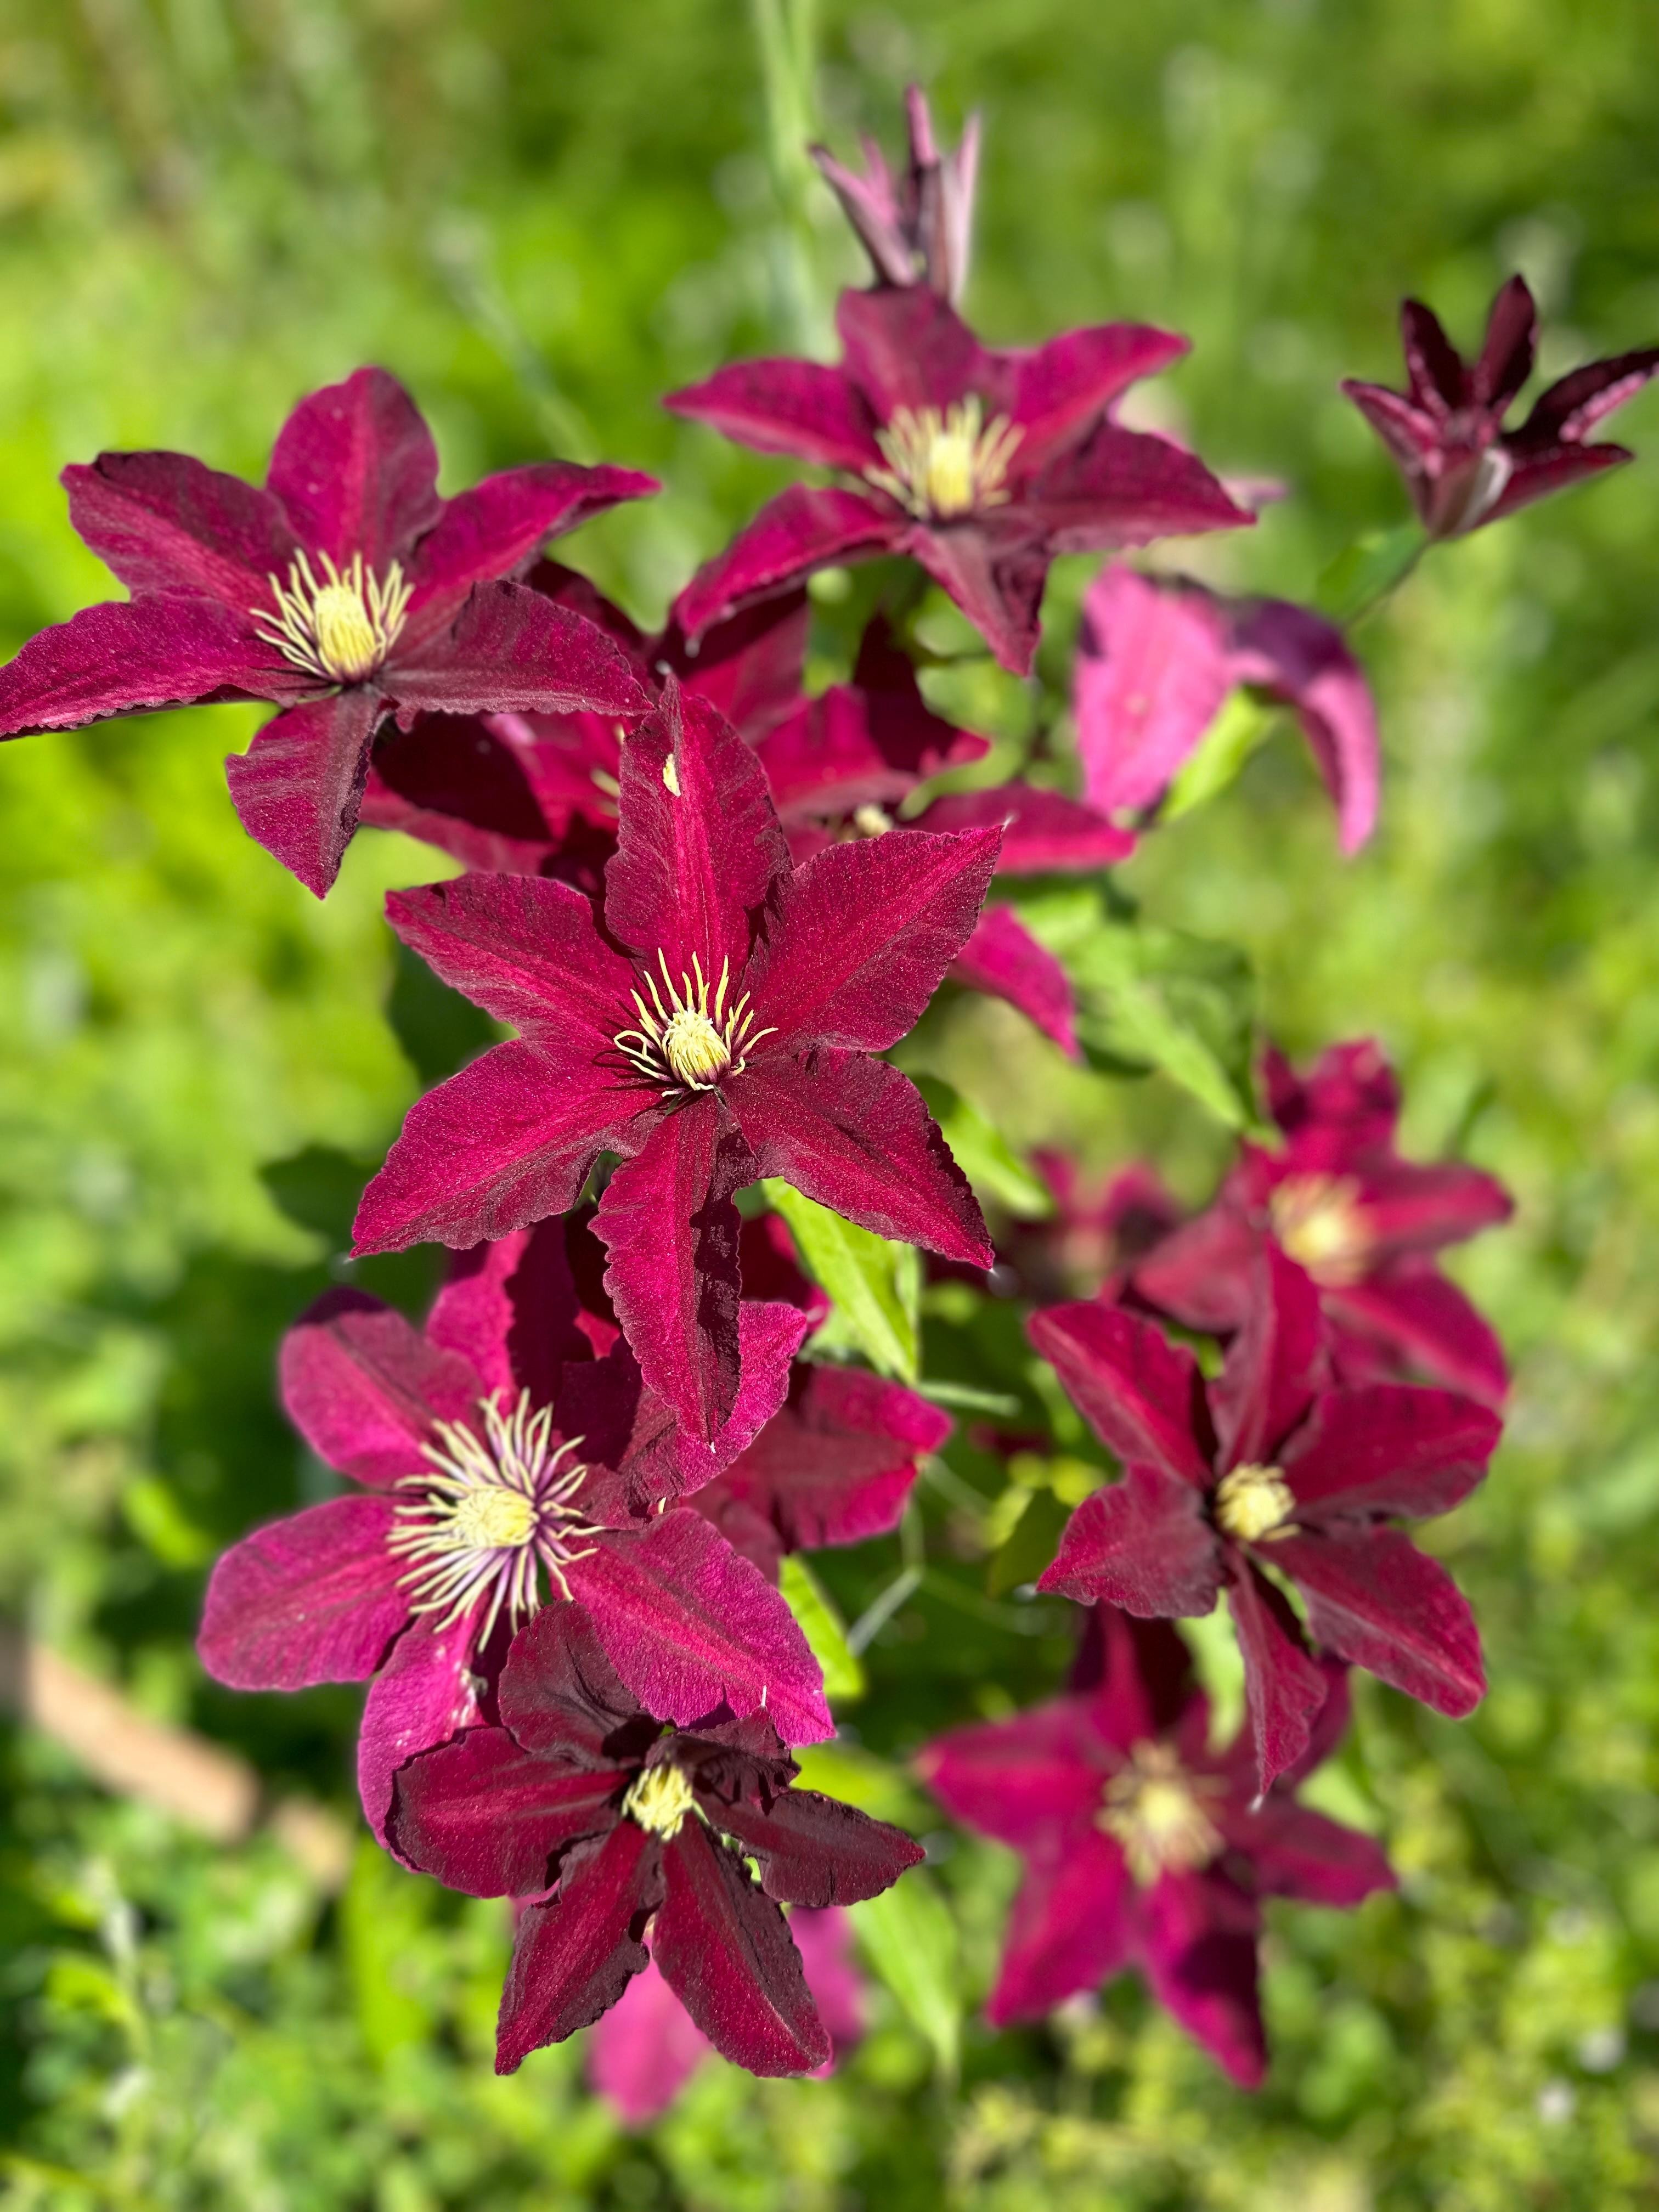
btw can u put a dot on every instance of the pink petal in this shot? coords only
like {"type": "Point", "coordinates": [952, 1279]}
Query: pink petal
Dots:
{"type": "Point", "coordinates": [814, 1850]}
{"type": "Point", "coordinates": [1043, 831]}
{"type": "Point", "coordinates": [1151, 673]}
{"type": "Point", "coordinates": [1379, 1602]}
{"type": "Point", "coordinates": [123, 657]}
{"type": "Point", "coordinates": [995, 572]}
{"type": "Point", "coordinates": [1003, 959]}
{"type": "Point", "coordinates": [356, 471]}
{"type": "Point", "coordinates": [509, 1309]}
{"type": "Point", "coordinates": [363, 1387]}
{"type": "Point", "coordinates": [641, 2054]}
{"type": "Point", "coordinates": [1303, 659]}
{"type": "Point", "coordinates": [689, 1625]}
{"type": "Point", "coordinates": [725, 1951]}
{"type": "Point", "coordinates": [298, 788]}
{"type": "Point", "coordinates": [1297, 1853]}
{"type": "Point", "coordinates": [1026, 1781]}
{"type": "Point", "coordinates": [487, 1818]}
{"type": "Point", "coordinates": [527, 952]}
{"type": "Point", "coordinates": [1420, 1323]}
{"type": "Point", "coordinates": [853, 1134]}
{"type": "Point", "coordinates": [1411, 436]}
{"type": "Point", "coordinates": [1060, 388]}
{"type": "Point", "coordinates": [165, 522]}
{"type": "Point", "coordinates": [1273, 1365]}
{"type": "Point", "coordinates": [425, 1694]}
{"type": "Point", "coordinates": [1142, 1543]}
{"type": "Point", "coordinates": [508, 647]}
{"type": "Point", "coordinates": [1125, 488]}
{"type": "Point", "coordinates": [1389, 1449]}
{"type": "Point", "coordinates": [824, 1940]}
{"type": "Point", "coordinates": [910, 348]}
{"type": "Point", "coordinates": [311, 1599]}
{"type": "Point", "coordinates": [1199, 1945]}
{"type": "Point", "coordinates": [748, 668]}
{"type": "Point", "coordinates": [1143, 1395]}
{"type": "Point", "coordinates": [1070, 1928]}
{"type": "Point", "coordinates": [499, 526]}
{"type": "Point", "coordinates": [798, 532]}
{"type": "Point", "coordinates": [573, 1958]}
{"type": "Point", "coordinates": [786, 407]}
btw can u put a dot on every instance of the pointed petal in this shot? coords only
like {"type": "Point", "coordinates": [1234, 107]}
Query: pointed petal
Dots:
{"type": "Point", "coordinates": [853, 1134]}
{"type": "Point", "coordinates": [1060, 388]}
{"type": "Point", "coordinates": [1548, 468]}
{"type": "Point", "coordinates": [1421, 1323]}
{"type": "Point", "coordinates": [497, 528]}
{"type": "Point", "coordinates": [699, 849]}
{"type": "Point", "coordinates": [363, 1387]}
{"type": "Point", "coordinates": [995, 574]}
{"type": "Point", "coordinates": [488, 1818]}
{"type": "Point", "coordinates": [1505, 362]}
{"type": "Point", "coordinates": [749, 668]}
{"type": "Point", "coordinates": [1070, 1930]}
{"type": "Point", "coordinates": [1380, 1603]}
{"type": "Point", "coordinates": [815, 1851]}
{"type": "Point", "coordinates": [1389, 1449]}
{"type": "Point", "coordinates": [560, 1695]}
{"type": "Point", "coordinates": [573, 1958]}
{"type": "Point", "coordinates": [1273, 1365]}
{"type": "Point", "coordinates": [1411, 436]}
{"type": "Point", "coordinates": [644, 2051]}
{"type": "Point", "coordinates": [1439, 380]}
{"type": "Point", "coordinates": [1572, 407]}
{"type": "Point", "coordinates": [299, 786]}
{"type": "Point", "coordinates": [1151, 673]}
{"type": "Point", "coordinates": [125, 657]}
{"type": "Point", "coordinates": [1142, 1543]}
{"type": "Point", "coordinates": [1143, 1395]}
{"type": "Point", "coordinates": [165, 522]}
{"type": "Point", "coordinates": [508, 647]}
{"type": "Point", "coordinates": [864, 934]}
{"type": "Point", "coordinates": [527, 951]}
{"type": "Point", "coordinates": [725, 1951]}
{"type": "Point", "coordinates": [1124, 488]}
{"type": "Point", "coordinates": [508, 1140]}
{"type": "Point", "coordinates": [356, 471]}
{"type": "Point", "coordinates": [1284, 1687]}
{"type": "Point", "coordinates": [1138, 1675]}
{"type": "Point", "coordinates": [1297, 1853]}
{"type": "Point", "coordinates": [910, 348]}
{"type": "Point", "coordinates": [425, 1694]}
{"type": "Point", "coordinates": [311, 1599]}
{"type": "Point", "coordinates": [1199, 1945]}
{"type": "Point", "coordinates": [786, 407]}
{"type": "Point", "coordinates": [1004, 960]}
{"type": "Point", "coordinates": [798, 532]}
{"type": "Point", "coordinates": [1347, 1102]}
{"type": "Point", "coordinates": [1301, 658]}
{"type": "Point", "coordinates": [1027, 1780]}
{"type": "Point", "coordinates": [869, 742]}
{"type": "Point", "coordinates": [689, 1625]}
{"type": "Point", "coordinates": [1413, 1207]}
{"type": "Point", "coordinates": [509, 1309]}
{"type": "Point", "coordinates": [1043, 831]}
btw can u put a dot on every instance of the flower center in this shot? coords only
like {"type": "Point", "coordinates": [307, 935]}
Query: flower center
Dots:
{"type": "Point", "coordinates": [493, 1510]}
{"type": "Point", "coordinates": [340, 629]}
{"type": "Point", "coordinates": [688, 1042]}
{"type": "Point", "coordinates": [1251, 1502]}
{"type": "Point", "coordinates": [946, 463]}
{"type": "Point", "coordinates": [1155, 1810]}
{"type": "Point", "coordinates": [659, 1799]}
{"type": "Point", "coordinates": [1319, 1220]}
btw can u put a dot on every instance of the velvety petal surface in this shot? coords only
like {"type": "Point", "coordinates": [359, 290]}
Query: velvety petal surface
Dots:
{"type": "Point", "coordinates": [1024, 1780]}
{"type": "Point", "coordinates": [1284, 1689]}
{"type": "Point", "coordinates": [1143, 1544]}
{"type": "Point", "coordinates": [166, 522]}
{"type": "Point", "coordinates": [1125, 488]}
{"type": "Point", "coordinates": [799, 531]}
{"type": "Point", "coordinates": [725, 1951]}
{"type": "Point", "coordinates": [527, 950]}
{"type": "Point", "coordinates": [510, 1310]}
{"type": "Point", "coordinates": [1003, 959]}
{"type": "Point", "coordinates": [1379, 1602]}
{"type": "Point", "coordinates": [1273, 1365]}
{"type": "Point", "coordinates": [1143, 1395]}
{"type": "Point", "coordinates": [299, 787]}
{"type": "Point", "coordinates": [573, 1958]}
{"type": "Point", "coordinates": [425, 1694]}
{"type": "Point", "coordinates": [123, 657]}
{"type": "Point", "coordinates": [1070, 1930]}
{"type": "Point", "coordinates": [1043, 832]}
{"type": "Point", "coordinates": [311, 1599]}
{"type": "Point", "coordinates": [1390, 1450]}
{"type": "Point", "coordinates": [786, 407]}
{"type": "Point", "coordinates": [815, 1851]}
{"type": "Point", "coordinates": [995, 574]}
{"type": "Point", "coordinates": [356, 471]}
{"type": "Point", "coordinates": [487, 1818]}
{"type": "Point", "coordinates": [508, 648]}
{"type": "Point", "coordinates": [1061, 387]}
{"type": "Point", "coordinates": [496, 527]}
{"type": "Point", "coordinates": [363, 1386]}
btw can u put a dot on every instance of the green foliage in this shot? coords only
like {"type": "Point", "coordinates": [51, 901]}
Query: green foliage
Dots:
{"type": "Point", "coordinates": [873, 1284]}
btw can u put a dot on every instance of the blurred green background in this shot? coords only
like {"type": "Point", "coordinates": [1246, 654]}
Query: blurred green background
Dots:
{"type": "Point", "coordinates": [541, 214]}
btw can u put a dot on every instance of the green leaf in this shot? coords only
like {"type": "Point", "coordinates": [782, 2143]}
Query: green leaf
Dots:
{"type": "Point", "coordinates": [1368, 570]}
{"type": "Point", "coordinates": [1245, 721]}
{"type": "Point", "coordinates": [983, 1153]}
{"type": "Point", "coordinates": [823, 1629]}
{"type": "Point", "coordinates": [875, 1286]}
{"type": "Point", "coordinates": [162, 1524]}
{"type": "Point", "coordinates": [910, 1939]}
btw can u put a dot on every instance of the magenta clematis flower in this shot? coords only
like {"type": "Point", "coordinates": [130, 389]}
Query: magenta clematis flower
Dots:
{"type": "Point", "coordinates": [729, 1039]}
{"type": "Point", "coordinates": [645, 2049]}
{"type": "Point", "coordinates": [917, 228]}
{"type": "Point", "coordinates": [1462, 467]}
{"type": "Point", "coordinates": [1363, 1222]}
{"type": "Point", "coordinates": [1100, 1227]}
{"type": "Point", "coordinates": [1143, 1848]}
{"type": "Point", "coordinates": [1269, 1468]}
{"type": "Point", "coordinates": [982, 465]}
{"type": "Point", "coordinates": [503, 1466]}
{"type": "Point", "coordinates": [345, 592]}
{"type": "Point", "coordinates": [1155, 661]}
{"type": "Point", "coordinates": [581, 1794]}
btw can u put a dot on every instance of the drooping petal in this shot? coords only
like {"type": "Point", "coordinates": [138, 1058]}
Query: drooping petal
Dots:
{"type": "Point", "coordinates": [1070, 1928]}
{"type": "Point", "coordinates": [1143, 1544]}
{"type": "Point", "coordinates": [311, 1599]}
{"type": "Point", "coordinates": [363, 1387]}
{"type": "Point", "coordinates": [1389, 1449]}
{"type": "Point", "coordinates": [1031, 1777]}
{"type": "Point", "coordinates": [786, 407]}
{"type": "Point", "coordinates": [1302, 658]}
{"type": "Point", "coordinates": [996, 575]}
{"type": "Point", "coordinates": [497, 527]}
{"type": "Point", "coordinates": [864, 934]}
{"type": "Point", "coordinates": [1418, 1321]}
{"type": "Point", "coordinates": [799, 531]}
{"type": "Point", "coordinates": [1143, 1395]}
{"type": "Point", "coordinates": [1379, 1602]}
{"type": "Point", "coordinates": [1043, 832]}
{"type": "Point", "coordinates": [527, 951]}
{"type": "Point", "coordinates": [1273, 1365]}
{"type": "Point", "coordinates": [487, 1818]}
{"type": "Point", "coordinates": [1295, 1852]}
{"type": "Point", "coordinates": [298, 788]}
{"type": "Point", "coordinates": [425, 1694]}
{"type": "Point", "coordinates": [1062, 387]}
{"type": "Point", "coordinates": [1151, 673]}
{"type": "Point", "coordinates": [1199, 1943]}
{"type": "Point", "coordinates": [1003, 959]}
{"type": "Point", "coordinates": [688, 1624]}
{"type": "Point", "coordinates": [1284, 1687]}
{"type": "Point", "coordinates": [124, 657]}
{"type": "Point", "coordinates": [509, 1309]}
{"type": "Point", "coordinates": [166, 522]}
{"type": "Point", "coordinates": [854, 1133]}
{"type": "Point", "coordinates": [643, 2052]}
{"type": "Point", "coordinates": [726, 1951]}
{"type": "Point", "coordinates": [1125, 488]}
{"type": "Point", "coordinates": [508, 648]}
{"type": "Point", "coordinates": [560, 1695]}
{"type": "Point", "coordinates": [575, 1957]}
{"type": "Point", "coordinates": [356, 471]}
{"type": "Point", "coordinates": [813, 1850]}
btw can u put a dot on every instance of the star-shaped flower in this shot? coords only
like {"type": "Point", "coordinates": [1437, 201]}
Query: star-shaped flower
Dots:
{"type": "Point", "coordinates": [1446, 430]}
{"type": "Point", "coordinates": [916, 227]}
{"type": "Point", "coordinates": [1143, 1848]}
{"type": "Point", "coordinates": [344, 592]}
{"type": "Point", "coordinates": [581, 1793]}
{"type": "Point", "coordinates": [1365, 1223]}
{"type": "Point", "coordinates": [717, 1028]}
{"type": "Point", "coordinates": [503, 1467]}
{"type": "Point", "coordinates": [1270, 1468]}
{"type": "Point", "coordinates": [982, 464]}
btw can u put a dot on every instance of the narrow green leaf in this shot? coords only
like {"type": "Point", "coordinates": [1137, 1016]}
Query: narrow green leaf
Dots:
{"type": "Point", "coordinates": [875, 1286]}
{"type": "Point", "coordinates": [983, 1153]}
{"type": "Point", "coordinates": [823, 1629]}
{"type": "Point", "coordinates": [1368, 570]}
{"type": "Point", "coordinates": [910, 1939]}
{"type": "Point", "coordinates": [1244, 722]}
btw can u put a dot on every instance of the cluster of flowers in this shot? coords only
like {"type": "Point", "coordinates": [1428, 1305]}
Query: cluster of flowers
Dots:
{"type": "Point", "coordinates": [707, 903]}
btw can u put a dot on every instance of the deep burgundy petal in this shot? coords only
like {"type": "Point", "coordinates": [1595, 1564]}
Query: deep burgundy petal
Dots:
{"type": "Point", "coordinates": [1284, 1688]}
{"type": "Point", "coordinates": [1025, 1780]}
{"type": "Point", "coordinates": [1379, 1602]}
{"type": "Point", "coordinates": [1143, 1395]}
{"type": "Point", "coordinates": [643, 2052]}
{"type": "Point", "coordinates": [1505, 361]}
{"type": "Point", "coordinates": [1301, 656]}
{"type": "Point", "coordinates": [1297, 1853]}
{"type": "Point", "coordinates": [910, 348]}
{"type": "Point", "coordinates": [573, 1958]}
{"type": "Point", "coordinates": [1389, 1449]}
{"type": "Point", "coordinates": [1418, 1322]}
{"type": "Point", "coordinates": [786, 407]}
{"type": "Point", "coordinates": [499, 526]}
{"type": "Point", "coordinates": [814, 1850]}
{"type": "Point", "coordinates": [1438, 379]}
{"type": "Point", "coordinates": [1136, 1675]}
{"type": "Point", "coordinates": [1142, 1543]}
{"type": "Point", "coordinates": [1273, 1365]}
{"type": "Point", "coordinates": [299, 786]}
{"type": "Point", "coordinates": [124, 658]}
{"type": "Point", "coordinates": [1570, 409]}
{"type": "Point", "coordinates": [311, 1599]}
{"type": "Point", "coordinates": [1200, 1273]}
{"type": "Point", "coordinates": [454, 781]}
{"type": "Point", "coordinates": [1043, 832]}
{"type": "Point", "coordinates": [996, 575]}
{"type": "Point", "coordinates": [1537, 473]}
{"type": "Point", "coordinates": [1070, 1928]}
{"type": "Point", "coordinates": [508, 648]}
{"type": "Point", "coordinates": [363, 1387]}
{"type": "Point", "coordinates": [1413, 1207]}
{"type": "Point", "coordinates": [1151, 673]}
{"type": "Point", "coordinates": [1347, 1102]}
{"type": "Point", "coordinates": [509, 1309]}
{"type": "Point", "coordinates": [749, 668]}
{"type": "Point", "coordinates": [865, 932]}
{"type": "Point", "coordinates": [798, 532]}
{"type": "Point", "coordinates": [725, 1950]}
{"type": "Point", "coordinates": [853, 1134]}
{"type": "Point", "coordinates": [356, 471]}
{"type": "Point", "coordinates": [1124, 488]}
{"type": "Point", "coordinates": [165, 522]}
{"type": "Point", "coordinates": [560, 1694]}
{"type": "Point", "coordinates": [425, 1694]}
{"type": "Point", "coordinates": [1199, 1943]}
{"type": "Point", "coordinates": [1003, 959]}
{"type": "Point", "coordinates": [487, 1818]}
{"type": "Point", "coordinates": [527, 950]}
{"type": "Point", "coordinates": [1411, 435]}
{"type": "Point", "coordinates": [1060, 388]}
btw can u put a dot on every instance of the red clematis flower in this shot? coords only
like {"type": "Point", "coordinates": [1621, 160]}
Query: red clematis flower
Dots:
{"type": "Point", "coordinates": [645, 2049]}
{"type": "Point", "coordinates": [916, 228]}
{"type": "Point", "coordinates": [729, 1039]}
{"type": "Point", "coordinates": [346, 591]}
{"type": "Point", "coordinates": [503, 1467]}
{"type": "Point", "coordinates": [1363, 1222]}
{"type": "Point", "coordinates": [980, 463]}
{"type": "Point", "coordinates": [1271, 1467]}
{"type": "Point", "coordinates": [1142, 1847]}
{"type": "Point", "coordinates": [581, 1789]}
{"type": "Point", "coordinates": [1099, 1228]}
{"type": "Point", "coordinates": [1446, 431]}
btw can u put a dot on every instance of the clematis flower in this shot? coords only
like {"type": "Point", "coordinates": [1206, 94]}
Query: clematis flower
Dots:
{"type": "Point", "coordinates": [916, 228]}
{"type": "Point", "coordinates": [1156, 660]}
{"type": "Point", "coordinates": [1099, 1228]}
{"type": "Point", "coordinates": [1270, 1474]}
{"type": "Point", "coordinates": [1363, 1222]}
{"type": "Point", "coordinates": [982, 465]}
{"type": "Point", "coordinates": [645, 2049]}
{"type": "Point", "coordinates": [1446, 433]}
{"type": "Point", "coordinates": [1143, 1848]}
{"type": "Point", "coordinates": [717, 1029]}
{"type": "Point", "coordinates": [580, 1794]}
{"type": "Point", "coordinates": [503, 1467]}
{"type": "Point", "coordinates": [345, 592]}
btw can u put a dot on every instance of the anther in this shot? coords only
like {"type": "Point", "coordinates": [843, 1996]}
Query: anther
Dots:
{"type": "Point", "coordinates": [944, 464]}
{"type": "Point", "coordinates": [340, 629]}
{"type": "Point", "coordinates": [1251, 1502]}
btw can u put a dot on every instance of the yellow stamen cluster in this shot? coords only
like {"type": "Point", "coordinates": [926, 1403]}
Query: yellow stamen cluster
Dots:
{"type": "Point", "coordinates": [659, 1799]}
{"type": "Point", "coordinates": [1319, 1220]}
{"type": "Point", "coordinates": [1252, 1501]}
{"type": "Point", "coordinates": [1155, 1809]}
{"type": "Point", "coordinates": [493, 1509]}
{"type": "Point", "coordinates": [689, 1043]}
{"type": "Point", "coordinates": [946, 463]}
{"type": "Point", "coordinates": [343, 627]}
